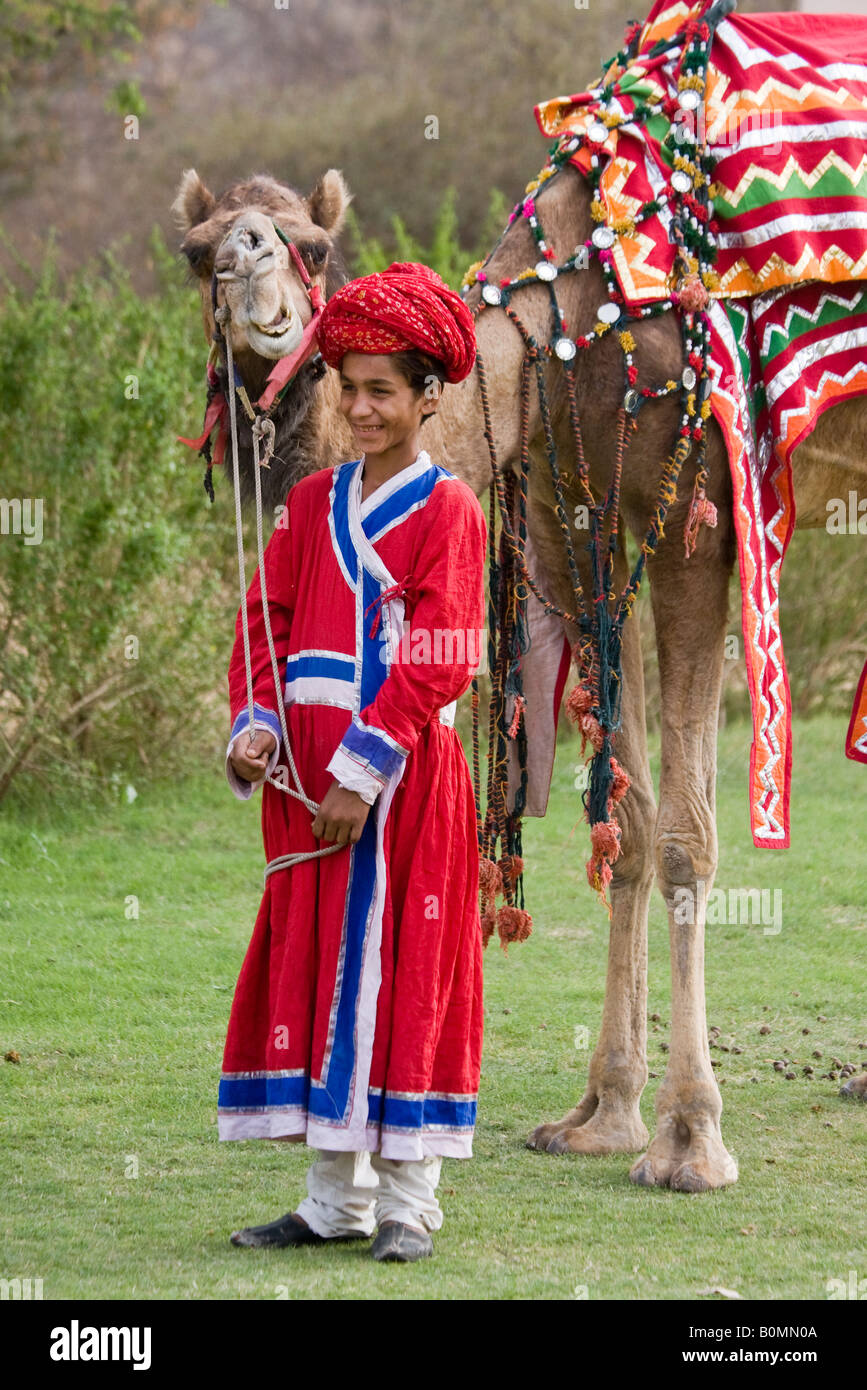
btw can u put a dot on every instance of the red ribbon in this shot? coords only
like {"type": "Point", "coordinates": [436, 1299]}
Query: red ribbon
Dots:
{"type": "Point", "coordinates": [405, 588]}
{"type": "Point", "coordinates": [217, 413]}
{"type": "Point", "coordinates": [287, 367]}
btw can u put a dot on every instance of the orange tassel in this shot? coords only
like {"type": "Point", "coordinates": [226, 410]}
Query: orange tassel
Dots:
{"type": "Point", "coordinates": [591, 730]}
{"type": "Point", "coordinates": [621, 782]}
{"type": "Point", "coordinates": [578, 702]}
{"type": "Point", "coordinates": [490, 878]}
{"type": "Point", "coordinates": [605, 840]}
{"type": "Point", "coordinates": [513, 924]}
{"type": "Point", "coordinates": [511, 867]}
{"type": "Point", "coordinates": [489, 921]}
{"type": "Point", "coordinates": [702, 512]}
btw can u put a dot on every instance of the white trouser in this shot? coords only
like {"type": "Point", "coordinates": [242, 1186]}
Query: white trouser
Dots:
{"type": "Point", "coordinates": [356, 1192]}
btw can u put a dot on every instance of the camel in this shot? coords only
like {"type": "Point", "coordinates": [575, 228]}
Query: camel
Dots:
{"type": "Point", "coordinates": [674, 840]}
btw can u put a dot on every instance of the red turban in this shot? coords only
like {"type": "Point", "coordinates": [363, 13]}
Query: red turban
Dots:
{"type": "Point", "coordinates": [406, 306]}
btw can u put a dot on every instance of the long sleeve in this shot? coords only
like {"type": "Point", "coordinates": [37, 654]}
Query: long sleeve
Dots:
{"type": "Point", "coordinates": [280, 588]}
{"type": "Point", "coordinates": [439, 654]}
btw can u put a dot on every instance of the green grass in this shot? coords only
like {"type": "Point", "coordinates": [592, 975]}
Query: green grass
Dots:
{"type": "Point", "coordinates": [120, 1021]}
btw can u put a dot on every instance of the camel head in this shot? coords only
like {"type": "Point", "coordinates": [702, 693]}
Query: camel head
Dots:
{"type": "Point", "coordinates": [242, 263]}
{"type": "Point", "coordinates": [235, 238]}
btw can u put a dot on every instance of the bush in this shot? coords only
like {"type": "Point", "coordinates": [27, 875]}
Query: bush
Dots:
{"type": "Point", "coordinates": [107, 619]}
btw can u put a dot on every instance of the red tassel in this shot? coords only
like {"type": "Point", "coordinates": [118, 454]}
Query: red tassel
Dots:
{"type": "Point", "coordinates": [599, 875]}
{"type": "Point", "coordinates": [520, 706]}
{"type": "Point", "coordinates": [702, 512]}
{"type": "Point", "coordinates": [513, 924]}
{"type": "Point", "coordinates": [591, 731]}
{"type": "Point", "coordinates": [511, 868]}
{"type": "Point", "coordinates": [489, 921]}
{"type": "Point", "coordinates": [490, 878]}
{"type": "Point", "coordinates": [621, 782]}
{"type": "Point", "coordinates": [578, 702]}
{"type": "Point", "coordinates": [605, 840]}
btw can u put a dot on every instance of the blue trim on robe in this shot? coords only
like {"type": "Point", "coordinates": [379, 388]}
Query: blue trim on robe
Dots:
{"type": "Point", "coordinates": [373, 662]}
{"type": "Point", "coordinates": [431, 1112]}
{"type": "Point", "coordinates": [372, 750]}
{"type": "Point", "coordinates": [428, 1112]}
{"type": "Point", "coordinates": [332, 666]}
{"type": "Point", "coordinates": [329, 1100]}
{"type": "Point", "coordinates": [338, 516]}
{"type": "Point", "coordinates": [263, 1092]}
{"type": "Point", "coordinates": [403, 501]}
{"type": "Point", "coordinates": [262, 716]}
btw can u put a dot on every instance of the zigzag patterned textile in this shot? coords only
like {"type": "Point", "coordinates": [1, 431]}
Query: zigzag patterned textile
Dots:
{"type": "Point", "coordinates": [785, 118]}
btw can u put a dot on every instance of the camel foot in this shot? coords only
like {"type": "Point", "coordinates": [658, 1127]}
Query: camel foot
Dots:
{"type": "Point", "coordinates": [604, 1131]}
{"type": "Point", "coordinates": [855, 1087]}
{"type": "Point", "coordinates": [685, 1162]}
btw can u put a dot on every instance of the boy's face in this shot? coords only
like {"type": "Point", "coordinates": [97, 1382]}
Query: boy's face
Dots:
{"type": "Point", "coordinates": [379, 403]}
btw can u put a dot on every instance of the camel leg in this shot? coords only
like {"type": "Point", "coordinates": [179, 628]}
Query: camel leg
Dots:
{"type": "Point", "coordinates": [690, 604]}
{"type": "Point", "coordinates": [607, 1119]}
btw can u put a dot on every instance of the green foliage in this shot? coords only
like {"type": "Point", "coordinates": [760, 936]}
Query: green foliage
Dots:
{"type": "Point", "coordinates": [35, 31]}
{"type": "Point", "coordinates": [107, 619]}
{"type": "Point", "coordinates": [126, 99]}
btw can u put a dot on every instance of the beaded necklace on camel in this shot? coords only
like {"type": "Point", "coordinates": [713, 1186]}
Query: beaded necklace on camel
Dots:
{"type": "Point", "coordinates": [594, 703]}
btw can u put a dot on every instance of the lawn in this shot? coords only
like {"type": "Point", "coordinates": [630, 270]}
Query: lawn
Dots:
{"type": "Point", "coordinates": [123, 932]}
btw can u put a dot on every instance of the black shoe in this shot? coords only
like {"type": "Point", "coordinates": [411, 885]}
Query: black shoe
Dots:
{"type": "Point", "coordinates": [395, 1241]}
{"type": "Point", "coordinates": [286, 1230]}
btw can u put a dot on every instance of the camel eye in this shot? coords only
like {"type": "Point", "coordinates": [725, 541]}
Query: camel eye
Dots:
{"type": "Point", "coordinates": [314, 254]}
{"type": "Point", "coordinates": [197, 254]}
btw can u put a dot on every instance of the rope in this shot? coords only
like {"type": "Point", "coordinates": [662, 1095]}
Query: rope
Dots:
{"type": "Point", "coordinates": [261, 426]}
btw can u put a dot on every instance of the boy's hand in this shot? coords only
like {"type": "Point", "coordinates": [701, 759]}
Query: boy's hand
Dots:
{"type": "Point", "coordinates": [249, 757]}
{"type": "Point", "coordinates": [341, 816]}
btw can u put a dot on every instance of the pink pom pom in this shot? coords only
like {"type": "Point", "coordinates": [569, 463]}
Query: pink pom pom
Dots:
{"type": "Point", "coordinates": [692, 295]}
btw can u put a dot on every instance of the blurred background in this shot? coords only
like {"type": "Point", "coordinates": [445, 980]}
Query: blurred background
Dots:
{"type": "Point", "coordinates": [115, 631]}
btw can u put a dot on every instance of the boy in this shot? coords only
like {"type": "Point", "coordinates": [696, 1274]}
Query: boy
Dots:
{"type": "Point", "coordinates": [356, 1024]}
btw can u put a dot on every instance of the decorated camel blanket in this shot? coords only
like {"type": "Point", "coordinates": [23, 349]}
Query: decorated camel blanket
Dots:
{"type": "Point", "coordinates": [783, 109]}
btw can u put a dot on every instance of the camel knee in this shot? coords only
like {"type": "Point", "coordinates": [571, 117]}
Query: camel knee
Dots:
{"type": "Point", "coordinates": [682, 857]}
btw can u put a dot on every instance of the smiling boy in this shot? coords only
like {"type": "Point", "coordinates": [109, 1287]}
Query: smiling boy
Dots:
{"type": "Point", "coordinates": [356, 1025]}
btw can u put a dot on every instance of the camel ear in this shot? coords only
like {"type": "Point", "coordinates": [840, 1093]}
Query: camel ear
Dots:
{"type": "Point", "coordinates": [328, 202]}
{"type": "Point", "coordinates": [194, 202]}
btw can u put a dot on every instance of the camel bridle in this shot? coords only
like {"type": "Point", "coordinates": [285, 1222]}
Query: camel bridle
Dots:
{"type": "Point", "coordinates": [286, 369]}
{"type": "Point", "coordinates": [595, 702]}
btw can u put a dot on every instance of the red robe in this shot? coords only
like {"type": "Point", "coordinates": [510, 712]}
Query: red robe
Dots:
{"type": "Point", "coordinates": [357, 1017]}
